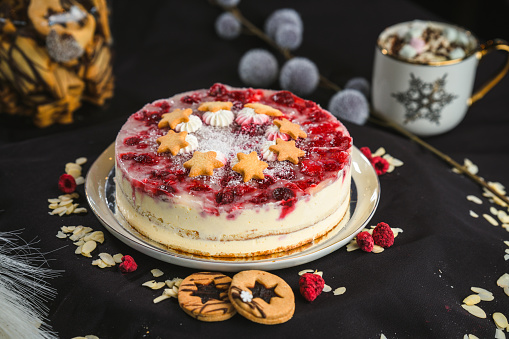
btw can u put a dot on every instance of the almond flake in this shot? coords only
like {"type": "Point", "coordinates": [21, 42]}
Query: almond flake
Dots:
{"type": "Point", "coordinates": [178, 281]}
{"type": "Point", "coordinates": [320, 273]}
{"type": "Point", "coordinates": [80, 242]}
{"type": "Point", "coordinates": [326, 288]}
{"type": "Point", "coordinates": [158, 285]}
{"type": "Point", "coordinates": [486, 297]}
{"type": "Point", "coordinates": [175, 289]}
{"type": "Point", "coordinates": [473, 214]}
{"type": "Point", "coordinates": [78, 250]}
{"type": "Point", "coordinates": [382, 336]}
{"type": "Point", "coordinates": [80, 180]}
{"type": "Point", "coordinates": [503, 281]}
{"type": "Point", "coordinates": [490, 219]}
{"type": "Point", "coordinates": [474, 199]}
{"type": "Point", "coordinates": [156, 272]}
{"type": "Point", "coordinates": [107, 258]}
{"type": "Point", "coordinates": [61, 235]}
{"type": "Point", "coordinates": [68, 229]}
{"type": "Point", "coordinates": [59, 210]}
{"type": "Point", "coordinates": [503, 216]}
{"type": "Point", "coordinates": [53, 206]}
{"type": "Point", "coordinates": [70, 209]}
{"type": "Point", "coordinates": [339, 291]}
{"type": "Point", "coordinates": [377, 249]}
{"type": "Point", "coordinates": [54, 201]}
{"type": "Point", "coordinates": [81, 161]}
{"type": "Point", "coordinates": [379, 152]}
{"type": "Point", "coordinates": [500, 320]}
{"type": "Point", "coordinates": [499, 334]}
{"type": "Point", "coordinates": [506, 242]}
{"type": "Point", "coordinates": [161, 298]}
{"type": "Point", "coordinates": [88, 247]}
{"type": "Point", "coordinates": [472, 299]}
{"type": "Point", "coordinates": [64, 197]}
{"type": "Point", "coordinates": [65, 202]}
{"type": "Point", "coordinates": [118, 258]}
{"type": "Point", "coordinates": [506, 257]}
{"type": "Point", "coordinates": [90, 336]}
{"type": "Point", "coordinates": [475, 311]}
{"type": "Point", "coordinates": [305, 271]}
{"type": "Point", "coordinates": [396, 231]}
{"type": "Point", "coordinates": [170, 292]}
{"type": "Point", "coordinates": [352, 246]}
{"type": "Point", "coordinates": [493, 211]}
{"type": "Point", "coordinates": [506, 290]}
{"type": "Point", "coordinates": [97, 236]}
{"type": "Point", "coordinates": [149, 283]}
{"type": "Point", "coordinates": [80, 210]}
{"type": "Point", "coordinates": [74, 172]}
{"type": "Point", "coordinates": [480, 290]}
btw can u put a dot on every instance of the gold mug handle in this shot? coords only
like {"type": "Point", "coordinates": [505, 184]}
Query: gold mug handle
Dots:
{"type": "Point", "coordinates": [488, 47]}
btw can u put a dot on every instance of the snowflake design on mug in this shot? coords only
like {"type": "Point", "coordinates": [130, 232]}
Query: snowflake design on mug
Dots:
{"type": "Point", "coordinates": [424, 100]}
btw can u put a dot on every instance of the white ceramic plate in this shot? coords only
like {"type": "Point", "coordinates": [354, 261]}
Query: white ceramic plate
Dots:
{"type": "Point", "coordinates": [364, 200]}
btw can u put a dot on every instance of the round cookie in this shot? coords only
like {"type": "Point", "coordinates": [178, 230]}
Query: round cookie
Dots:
{"type": "Point", "coordinates": [204, 296]}
{"type": "Point", "coordinates": [262, 297]}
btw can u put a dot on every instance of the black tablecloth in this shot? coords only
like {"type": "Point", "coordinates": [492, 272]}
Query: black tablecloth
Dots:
{"type": "Point", "coordinates": [412, 290]}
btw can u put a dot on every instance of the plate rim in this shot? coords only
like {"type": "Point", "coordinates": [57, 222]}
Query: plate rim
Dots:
{"type": "Point", "coordinates": [96, 191]}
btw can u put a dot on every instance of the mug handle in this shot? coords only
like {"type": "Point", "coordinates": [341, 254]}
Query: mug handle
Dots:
{"type": "Point", "coordinates": [490, 46]}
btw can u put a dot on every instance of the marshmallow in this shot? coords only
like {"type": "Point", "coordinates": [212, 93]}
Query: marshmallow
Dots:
{"type": "Point", "coordinates": [457, 53]}
{"type": "Point", "coordinates": [418, 44]}
{"type": "Point", "coordinates": [407, 52]}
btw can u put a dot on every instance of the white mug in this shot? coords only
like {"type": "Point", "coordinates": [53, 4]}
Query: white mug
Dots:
{"type": "Point", "coordinates": [429, 98]}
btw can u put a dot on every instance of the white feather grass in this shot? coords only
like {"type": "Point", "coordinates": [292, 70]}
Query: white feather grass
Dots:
{"type": "Point", "coordinates": [23, 289]}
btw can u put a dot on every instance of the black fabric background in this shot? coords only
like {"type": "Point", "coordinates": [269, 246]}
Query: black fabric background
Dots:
{"type": "Point", "coordinates": [412, 290]}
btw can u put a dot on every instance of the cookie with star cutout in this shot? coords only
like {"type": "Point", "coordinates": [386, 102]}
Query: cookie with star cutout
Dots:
{"type": "Point", "coordinates": [204, 296]}
{"type": "Point", "coordinates": [262, 297]}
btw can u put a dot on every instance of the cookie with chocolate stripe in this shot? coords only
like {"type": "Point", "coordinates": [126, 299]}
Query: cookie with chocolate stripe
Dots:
{"type": "Point", "coordinates": [204, 296]}
{"type": "Point", "coordinates": [262, 297]}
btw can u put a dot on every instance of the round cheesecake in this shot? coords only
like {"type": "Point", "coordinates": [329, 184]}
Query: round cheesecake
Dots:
{"type": "Point", "coordinates": [233, 172]}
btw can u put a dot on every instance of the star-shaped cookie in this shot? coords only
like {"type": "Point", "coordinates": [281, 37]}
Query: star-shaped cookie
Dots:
{"type": "Point", "coordinates": [214, 106]}
{"type": "Point", "coordinates": [172, 142]}
{"type": "Point", "coordinates": [174, 118]}
{"type": "Point", "coordinates": [264, 109]}
{"type": "Point", "coordinates": [203, 163]}
{"type": "Point", "coordinates": [286, 150]}
{"type": "Point", "coordinates": [293, 130]}
{"type": "Point", "coordinates": [250, 166]}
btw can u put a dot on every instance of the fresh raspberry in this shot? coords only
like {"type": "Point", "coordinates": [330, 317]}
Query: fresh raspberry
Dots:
{"type": "Point", "coordinates": [128, 264]}
{"type": "Point", "coordinates": [66, 183]}
{"type": "Point", "coordinates": [380, 164]}
{"type": "Point", "coordinates": [383, 235]}
{"type": "Point", "coordinates": [365, 241]}
{"type": "Point", "coordinates": [311, 285]}
{"type": "Point", "coordinates": [367, 153]}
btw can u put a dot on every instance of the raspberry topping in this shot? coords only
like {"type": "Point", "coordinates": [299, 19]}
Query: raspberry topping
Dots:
{"type": "Point", "coordinates": [326, 151]}
{"type": "Point", "coordinates": [282, 193]}
{"type": "Point", "coordinates": [365, 241]}
{"type": "Point", "coordinates": [311, 285]}
{"type": "Point", "coordinates": [66, 183]}
{"type": "Point", "coordinates": [128, 264]}
{"type": "Point", "coordinates": [383, 235]}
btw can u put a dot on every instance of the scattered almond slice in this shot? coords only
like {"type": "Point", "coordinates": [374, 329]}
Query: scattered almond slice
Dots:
{"type": "Point", "coordinates": [472, 299]}
{"type": "Point", "coordinates": [156, 272]}
{"type": "Point", "coordinates": [100, 263]}
{"type": "Point", "coordinates": [474, 199]}
{"type": "Point", "coordinates": [118, 258]}
{"type": "Point", "coordinates": [500, 320]}
{"type": "Point", "coordinates": [90, 336]}
{"type": "Point", "coordinates": [88, 247]}
{"type": "Point", "coordinates": [320, 273]}
{"type": "Point", "coordinates": [396, 231]}
{"type": "Point", "coordinates": [480, 290]}
{"type": "Point", "coordinates": [506, 242]}
{"type": "Point", "coordinates": [80, 180]}
{"type": "Point", "coordinates": [53, 206]}
{"type": "Point", "coordinates": [161, 298]}
{"type": "Point", "coordinates": [78, 250]}
{"type": "Point", "coordinates": [170, 292]}
{"type": "Point", "coordinates": [305, 271]}
{"type": "Point", "coordinates": [97, 236]}
{"type": "Point", "coordinates": [377, 249]}
{"type": "Point", "coordinates": [339, 291]}
{"type": "Point", "coordinates": [80, 210]}
{"type": "Point", "coordinates": [474, 310]}
{"type": "Point", "coordinates": [493, 211]}
{"type": "Point", "coordinates": [382, 336]}
{"type": "Point", "coordinates": [67, 229]}
{"type": "Point", "coordinates": [107, 258]}
{"type": "Point", "coordinates": [503, 281]}
{"type": "Point", "coordinates": [326, 288]}
{"type": "Point", "coordinates": [54, 201]}
{"type": "Point", "coordinates": [499, 334]}
{"type": "Point", "coordinates": [473, 214]}
{"type": "Point", "coordinates": [506, 290]}
{"type": "Point", "coordinates": [61, 235]}
{"type": "Point", "coordinates": [352, 246]}
{"type": "Point", "coordinates": [81, 161]}
{"type": "Point", "coordinates": [379, 152]}
{"type": "Point", "coordinates": [490, 219]}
